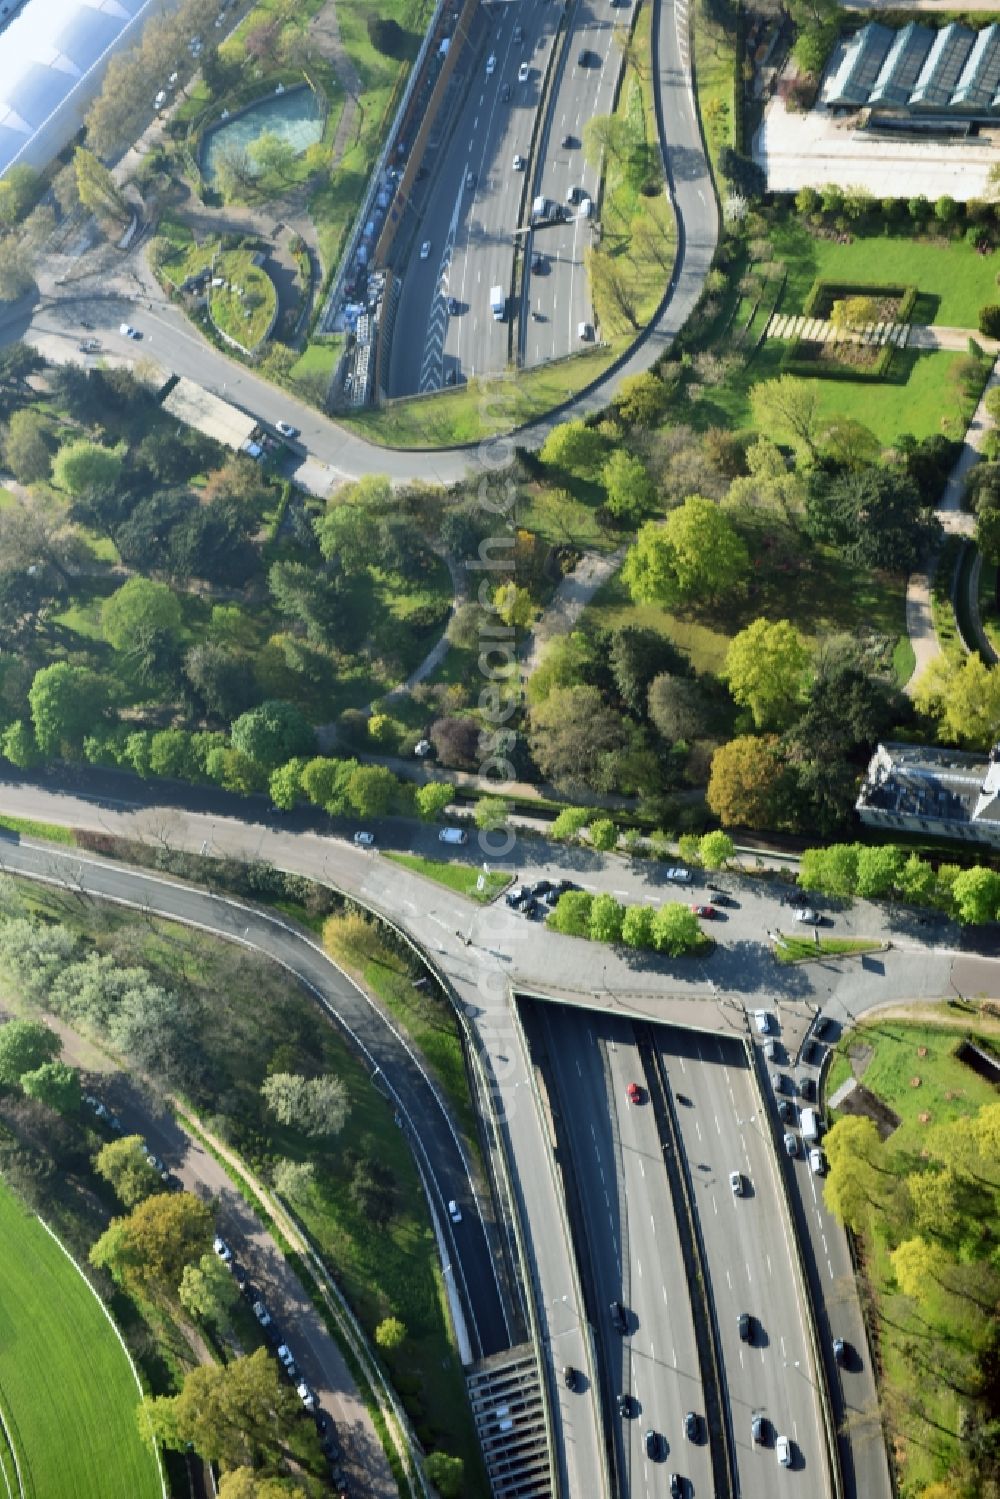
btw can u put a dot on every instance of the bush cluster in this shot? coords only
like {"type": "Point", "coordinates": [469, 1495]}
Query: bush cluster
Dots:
{"type": "Point", "coordinates": [885, 870]}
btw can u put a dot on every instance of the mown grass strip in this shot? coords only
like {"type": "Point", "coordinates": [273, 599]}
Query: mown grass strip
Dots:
{"type": "Point", "coordinates": [806, 949]}
{"type": "Point", "coordinates": [461, 878]}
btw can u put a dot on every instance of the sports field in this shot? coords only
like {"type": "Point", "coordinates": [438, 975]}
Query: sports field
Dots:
{"type": "Point", "coordinates": [67, 1392]}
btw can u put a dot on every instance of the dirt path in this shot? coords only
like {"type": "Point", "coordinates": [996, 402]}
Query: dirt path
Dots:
{"type": "Point", "coordinates": [569, 601]}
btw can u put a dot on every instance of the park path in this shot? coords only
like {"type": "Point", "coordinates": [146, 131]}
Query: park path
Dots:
{"type": "Point", "coordinates": [574, 593]}
{"type": "Point", "coordinates": [956, 522]}
{"type": "Point", "coordinates": [920, 336]}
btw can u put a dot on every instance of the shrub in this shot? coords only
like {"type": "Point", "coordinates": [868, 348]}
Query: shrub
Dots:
{"type": "Point", "coordinates": [989, 320]}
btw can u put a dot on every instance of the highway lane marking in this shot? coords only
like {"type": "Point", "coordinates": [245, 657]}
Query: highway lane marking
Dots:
{"type": "Point", "coordinates": [747, 1267]}
{"type": "Point", "coordinates": [729, 1279]}
{"type": "Point", "coordinates": [638, 1266]}
{"type": "Point", "coordinates": [697, 1126]}
{"type": "Point", "coordinates": [642, 1169]}
{"type": "Point", "coordinates": [718, 1126]}
{"type": "Point", "coordinates": [579, 1069]}
{"type": "Point", "coordinates": [767, 1257]}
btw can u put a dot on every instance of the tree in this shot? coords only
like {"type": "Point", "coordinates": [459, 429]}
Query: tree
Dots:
{"type": "Point", "coordinates": [387, 36]}
{"type": "Point", "coordinates": [491, 813]}
{"type": "Point", "coordinates": [146, 1251]}
{"type": "Point", "coordinates": [788, 407]}
{"type": "Point", "coordinates": [606, 917]}
{"type": "Point", "coordinates": [876, 515]}
{"type": "Point", "coordinates": [293, 1180]}
{"type": "Point", "coordinates": [316, 1106]}
{"type": "Point", "coordinates": [676, 930]}
{"type": "Point", "coordinates": [936, 1202]}
{"type": "Point", "coordinates": [566, 661]}
{"type": "Point", "coordinates": [391, 1334]}
{"type": "Point", "coordinates": [637, 926]}
{"type": "Point", "coordinates": [239, 1414]}
{"type": "Point", "coordinates": [456, 740]}
{"type": "Point", "coordinates": [964, 698]}
{"type": "Point", "coordinates": [766, 666]}
{"type": "Point", "coordinates": [349, 535]}
{"type": "Point", "coordinates": [222, 677]}
{"type": "Point", "coordinates": [96, 187]}
{"type": "Point", "coordinates": [17, 269]}
{"type": "Point", "coordinates": [832, 871]}
{"type": "Point", "coordinates": [742, 172]}
{"type": "Point", "coordinates": [273, 155]}
{"type": "Point", "coordinates": [916, 880]}
{"type": "Point", "coordinates": [848, 1190]}
{"type": "Point", "coordinates": [433, 798]}
{"type": "Point", "coordinates": [976, 894]}
{"type": "Point", "coordinates": [27, 448]}
{"type": "Point", "coordinates": [18, 745]}
{"type": "Point", "coordinates": [695, 556]}
{"type": "Point", "coordinates": [56, 1085]}
{"type": "Point", "coordinates": [641, 400]}
{"type": "Point", "coordinates": [272, 733]}
{"type": "Point", "coordinates": [854, 312]}
{"type": "Point", "coordinates": [574, 447]}
{"type": "Point", "coordinates": [514, 605]}
{"type": "Point", "coordinates": [371, 790]}
{"type": "Point", "coordinates": [244, 1483]}
{"type": "Point", "coordinates": [447, 1474]}
{"type": "Point", "coordinates": [577, 740]}
{"type": "Point", "coordinates": [604, 834]}
{"type": "Point", "coordinates": [125, 1166]}
{"type": "Point", "coordinates": [606, 135]}
{"type": "Point", "coordinates": [208, 1291]}
{"type": "Point", "coordinates": [746, 782]}
{"type": "Point", "coordinates": [572, 913]}
{"type": "Point", "coordinates": [918, 1267]}
{"type": "Point", "coordinates": [137, 607]}
{"type": "Point", "coordinates": [877, 870]}
{"type": "Point", "coordinates": [716, 849]}
{"type": "Point", "coordinates": [25, 1045]}
{"type": "Point", "coordinates": [629, 487]}
{"type": "Point", "coordinates": [570, 822]}
{"type": "Point", "coordinates": [19, 190]}
{"type": "Point", "coordinates": [82, 465]}
{"type": "Point", "coordinates": [678, 707]}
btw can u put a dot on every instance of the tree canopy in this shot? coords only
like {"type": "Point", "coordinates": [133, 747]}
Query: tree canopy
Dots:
{"type": "Point", "coordinates": [695, 556]}
{"type": "Point", "coordinates": [766, 665]}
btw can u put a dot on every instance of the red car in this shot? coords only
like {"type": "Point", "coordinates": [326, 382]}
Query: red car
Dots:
{"type": "Point", "coordinates": [634, 1093]}
{"type": "Point", "coordinates": [705, 911]}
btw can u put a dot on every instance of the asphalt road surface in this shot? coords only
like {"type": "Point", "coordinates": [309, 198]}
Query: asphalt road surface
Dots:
{"type": "Point", "coordinates": [470, 228]}
{"type": "Point", "coordinates": [749, 1264]}
{"type": "Point", "coordinates": [633, 1253]}
{"type": "Point", "coordinates": [557, 297]}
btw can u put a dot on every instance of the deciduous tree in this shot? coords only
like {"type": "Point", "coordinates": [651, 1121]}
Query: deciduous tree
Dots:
{"type": "Point", "coordinates": [433, 798]}
{"type": "Point", "coordinates": [27, 446]}
{"type": "Point", "coordinates": [208, 1291]}
{"type": "Point", "coordinates": [629, 487]}
{"type": "Point", "coordinates": [574, 447]}
{"type": "Point", "coordinates": [391, 1334]}
{"type": "Point", "coordinates": [25, 1045]}
{"type": "Point", "coordinates": [746, 782]}
{"type": "Point", "coordinates": [788, 407]}
{"type": "Point", "coordinates": [766, 666]}
{"type": "Point", "coordinates": [695, 556]}
{"type": "Point", "coordinates": [576, 740]}
{"type": "Point", "coordinates": [976, 893]}
{"type": "Point", "coordinates": [124, 1164]}
{"type": "Point", "coordinates": [606, 917]}
{"type": "Point", "coordinates": [316, 1106]}
{"type": "Point", "coordinates": [572, 913]}
{"type": "Point", "coordinates": [676, 930]}
{"type": "Point", "coordinates": [964, 698]}
{"type": "Point", "coordinates": [272, 733]}
{"type": "Point", "coordinates": [239, 1414]}
{"type": "Point", "coordinates": [82, 465]}
{"type": "Point", "coordinates": [139, 606]}
{"type": "Point", "coordinates": [56, 1085]}
{"type": "Point", "coordinates": [147, 1250]}
{"type": "Point", "coordinates": [637, 926]}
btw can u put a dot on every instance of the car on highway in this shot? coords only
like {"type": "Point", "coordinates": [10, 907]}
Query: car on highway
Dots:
{"type": "Point", "coordinates": [692, 1426]}
{"type": "Point", "coordinates": [807, 915]}
{"type": "Point", "coordinates": [812, 1053]}
{"type": "Point", "coordinates": [634, 1093]}
{"type": "Point", "coordinates": [425, 249]}
{"type": "Point", "coordinates": [286, 429]}
{"type": "Point", "coordinates": [364, 840]}
{"type": "Point", "coordinates": [791, 1144]}
{"type": "Point", "coordinates": [523, 73]}
{"type": "Point", "coordinates": [652, 1440]}
{"type": "Point", "coordinates": [745, 1327]}
{"type": "Point", "coordinates": [625, 1406]}
{"type": "Point", "coordinates": [676, 1489]}
{"type": "Point", "coordinates": [786, 1111]}
{"type": "Point", "coordinates": [771, 1050]}
{"type": "Point", "coordinates": [783, 1451]}
{"type": "Point", "coordinates": [519, 162]}
{"type": "Point", "coordinates": [758, 1430]}
{"type": "Point", "coordinates": [519, 32]}
{"type": "Point", "coordinates": [817, 1162]}
{"type": "Point", "coordinates": [539, 264]}
{"type": "Point", "coordinates": [840, 1350]}
{"type": "Point", "coordinates": [452, 306]}
{"type": "Point", "coordinates": [584, 57]}
{"type": "Point", "coordinates": [568, 142]}
{"type": "Point", "coordinates": [586, 208]}
{"type": "Point", "coordinates": [780, 1082]}
{"type": "Point", "coordinates": [454, 1211]}
{"type": "Point", "coordinates": [762, 1020]}
{"type": "Point", "coordinates": [127, 331]}
{"type": "Point", "coordinates": [707, 913]}
{"type": "Point", "coordinates": [505, 93]}
{"type": "Point", "coordinates": [470, 181]}
{"type": "Point", "coordinates": [570, 1377]}
{"type": "Point", "coordinates": [822, 1025]}
{"type": "Point", "coordinates": [491, 65]}
{"type": "Point", "coordinates": [678, 875]}
{"type": "Point", "coordinates": [619, 1321]}
{"type": "Point", "coordinates": [736, 1183]}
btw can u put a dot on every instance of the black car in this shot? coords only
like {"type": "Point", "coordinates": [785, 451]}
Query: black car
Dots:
{"type": "Point", "coordinates": [786, 1111]}
{"type": "Point", "coordinates": [516, 897]}
{"type": "Point", "coordinates": [539, 264]}
{"type": "Point", "coordinates": [807, 1089]}
{"type": "Point", "coordinates": [822, 1025]}
{"type": "Point", "coordinates": [626, 1406]}
{"type": "Point", "coordinates": [692, 1426]}
{"type": "Point", "coordinates": [570, 1377]}
{"type": "Point", "coordinates": [452, 306]}
{"type": "Point", "coordinates": [536, 910]}
{"type": "Point", "coordinates": [568, 142]}
{"type": "Point", "coordinates": [746, 1327]}
{"type": "Point", "coordinates": [653, 1444]}
{"type": "Point", "coordinates": [540, 887]}
{"type": "Point", "coordinates": [618, 1319]}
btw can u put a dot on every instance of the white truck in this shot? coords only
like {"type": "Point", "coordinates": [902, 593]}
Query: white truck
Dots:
{"type": "Point", "coordinates": [810, 1125]}
{"type": "Point", "coordinates": [498, 303]}
{"type": "Point", "coordinates": [540, 210]}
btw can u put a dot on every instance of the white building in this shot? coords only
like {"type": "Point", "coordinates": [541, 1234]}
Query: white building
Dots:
{"type": "Point", "coordinates": [53, 57]}
{"type": "Point", "coordinates": [923, 789]}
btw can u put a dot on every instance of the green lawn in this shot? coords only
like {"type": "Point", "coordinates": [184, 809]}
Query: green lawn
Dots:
{"type": "Point", "coordinates": [954, 280]}
{"type": "Point", "coordinates": [244, 306]}
{"type": "Point", "coordinates": [460, 877]}
{"type": "Point", "coordinates": [67, 1391]}
{"type": "Point", "coordinates": [806, 949]}
{"type": "Point", "coordinates": [177, 256]}
{"type": "Point", "coordinates": [822, 595]}
{"type": "Point", "coordinates": [715, 81]}
{"type": "Point", "coordinates": [28, 827]}
{"type": "Point", "coordinates": [481, 408]}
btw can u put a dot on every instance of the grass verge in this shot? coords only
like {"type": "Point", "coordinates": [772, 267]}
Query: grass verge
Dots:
{"type": "Point", "coordinates": [69, 1395]}
{"type": "Point", "coordinates": [715, 82]}
{"type": "Point", "coordinates": [27, 827]}
{"type": "Point", "coordinates": [806, 949]}
{"type": "Point", "coordinates": [459, 877]}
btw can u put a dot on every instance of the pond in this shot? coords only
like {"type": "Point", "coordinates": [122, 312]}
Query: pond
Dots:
{"type": "Point", "coordinates": [293, 116]}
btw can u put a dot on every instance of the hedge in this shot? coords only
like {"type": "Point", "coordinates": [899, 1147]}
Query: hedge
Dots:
{"type": "Point", "coordinates": [822, 293]}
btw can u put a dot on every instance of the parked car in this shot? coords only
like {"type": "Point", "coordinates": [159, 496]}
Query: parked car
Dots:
{"type": "Point", "coordinates": [127, 331]}
{"type": "Point", "coordinates": [285, 1355]}
{"type": "Point", "coordinates": [453, 835]}
{"type": "Point", "coordinates": [817, 1162]}
{"type": "Point", "coordinates": [705, 912]}
{"type": "Point", "coordinates": [807, 1088]}
{"type": "Point", "coordinates": [306, 1395]}
{"type": "Point", "coordinates": [807, 915]}
{"type": "Point", "coordinates": [678, 875]}
{"type": "Point", "coordinates": [262, 1314]}
{"type": "Point", "coordinates": [222, 1249]}
{"type": "Point", "coordinates": [364, 840]}
{"type": "Point", "coordinates": [286, 429]}
{"type": "Point", "coordinates": [786, 1111]}
{"type": "Point", "coordinates": [762, 1020]}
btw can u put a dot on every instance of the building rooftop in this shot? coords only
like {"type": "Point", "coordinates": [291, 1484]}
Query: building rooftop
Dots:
{"type": "Point", "coordinates": [933, 785]}
{"type": "Point", "coordinates": [901, 69]}
{"type": "Point", "coordinates": [197, 407]}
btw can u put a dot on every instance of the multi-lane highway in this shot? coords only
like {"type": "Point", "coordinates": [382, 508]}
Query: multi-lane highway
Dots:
{"type": "Point", "coordinates": [445, 330]}
{"type": "Point", "coordinates": [749, 1264]}
{"type": "Point", "coordinates": [557, 299]}
{"type": "Point", "coordinates": [632, 1253]}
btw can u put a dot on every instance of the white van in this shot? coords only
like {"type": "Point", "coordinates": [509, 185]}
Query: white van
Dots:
{"type": "Point", "coordinates": [453, 835]}
{"type": "Point", "coordinates": [584, 332]}
{"type": "Point", "coordinates": [810, 1125]}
